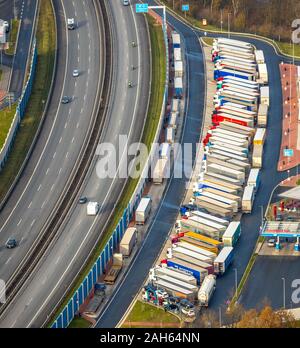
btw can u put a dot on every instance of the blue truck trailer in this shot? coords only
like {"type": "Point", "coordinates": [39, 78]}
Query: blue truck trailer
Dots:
{"type": "Point", "coordinates": [198, 272]}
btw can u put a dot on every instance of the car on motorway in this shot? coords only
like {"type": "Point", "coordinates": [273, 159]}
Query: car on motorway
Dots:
{"type": "Point", "coordinates": [6, 26]}
{"type": "Point", "coordinates": [71, 23]}
{"type": "Point", "coordinates": [125, 2]}
{"type": "Point", "coordinates": [66, 100]}
{"type": "Point", "coordinates": [82, 200]}
{"type": "Point", "coordinates": [11, 243]}
{"type": "Point", "coordinates": [75, 73]}
{"type": "Point", "coordinates": [271, 242]}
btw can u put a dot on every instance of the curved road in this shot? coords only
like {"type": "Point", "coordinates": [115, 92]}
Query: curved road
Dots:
{"type": "Point", "coordinates": [169, 208]}
{"type": "Point", "coordinates": [57, 149]}
{"type": "Point", "coordinates": [127, 111]}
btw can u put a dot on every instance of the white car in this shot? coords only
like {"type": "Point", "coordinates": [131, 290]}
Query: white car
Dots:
{"type": "Point", "coordinates": [6, 25]}
{"type": "Point", "coordinates": [125, 2]}
{"type": "Point", "coordinates": [75, 73]}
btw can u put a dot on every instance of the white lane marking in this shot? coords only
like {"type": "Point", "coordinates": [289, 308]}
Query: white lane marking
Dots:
{"type": "Point", "coordinates": [54, 155]}
{"type": "Point", "coordinates": [57, 261]}
{"type": "Point", "coordinates": [49, 136]}
{"type": "Point", "coordinates": [77, 126]}
{"type": "Point", "coordinates": [30, 205]}
{"type": "Point", "coordinates": [52, 187]}
{"type": "Point", "coordinates": [104, 201]}
{"type": "Point", "coordinates": [19, 223]}
{"type": "Point", "coordinates": [73, 139]}
{"type": "Point", "coordinates": [60, 171]}
{"type": "Point", "coordinates": [39, 188]}
{"type": "Point", "coordinates": [66, 125]}
{"type": "Point", "coordinates": [67, 155]}
{"type": "Point", "coordinates": [33, 222]}
{"type": "Point", "coordinates": [8, 260]}
{"type": "Point", "coordinates": [47, 171]}
{"type": "Point", "coordinates": [43, 204]}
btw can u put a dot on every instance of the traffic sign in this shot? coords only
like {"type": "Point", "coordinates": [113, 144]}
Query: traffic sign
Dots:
{"type": "Point", "coordinates": [288, 152]}
{"type": "Point", "coordinates": [185, 7]}
{"type": "Point", "coordinates": [141, 8]}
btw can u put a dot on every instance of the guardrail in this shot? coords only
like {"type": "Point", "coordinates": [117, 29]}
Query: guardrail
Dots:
{"type": "Point", "coordinates": [68, 313]}
{"type": "Point", "coordinates": [20, 112]}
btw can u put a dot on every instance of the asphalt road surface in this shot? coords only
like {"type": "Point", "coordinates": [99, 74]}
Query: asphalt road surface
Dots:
{"type": "Point", "coordinates": [266, 285]}
{"type": "Point", "coordinates": [126, 116]}
{"type": "Point", "coordinates": [62, 138]}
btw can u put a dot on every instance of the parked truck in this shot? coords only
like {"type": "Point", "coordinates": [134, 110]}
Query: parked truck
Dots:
{"type": "Point", "coordinates": [254, 178]}
{"type": "Point", "coordinates": [232, 234]}
{"type": "Point", "coordinates": [164, 150]}
{"type": "Point", "coordinates": [210, 217]}
{"type": "Point", "coordinates": [265, 95]}
{"type": "Point", "coordinates": [259, 56]}
{"type": "Point", "coordinates": [128, 241]}
{"type": "Point", "coordinates": [263, 73]}
{"type": "Point", "coordinates": [195, 248]}
{"type": "Point", "coordinates": [206, 290]}
{"type": "Point", "coordinates": [262, 115]}
{"type": "Point", "coordinates": [203, 203]}
{"type": "Point", "coordinates": [248, 199]}
{"type": "Point", "coordinates": [178, 251]}
{"type": "Point", "coordinates": [175, 105]}
{"type": "Point", "coordinates": [218, 73]}
{"type": "Point", "coordinates": [178, 68]}
{"type": "Point", "coordinates": [112, 274]}
{"type": "Point", "coordinates": [197, 272]}
{"type": "Point", "coordinates": [223, 260]}
{"type": "Point", "coordinates": [143, 211]}
{"type": "Point", "coordinates": [160, 171]}
{"type": "Point", "coordinates": [174, 289]}
{"type": "Point", "coordinates": [257, 156]}
{"type": "Point", "coordinates": [170, 135]}
{"type": "Point", "coordinates": [167, 278]}
{"type": "Point", "coordinates": [192, 262]}
{"type": "Point", "coordinates": [178, 87]}
{"type": "Point", "coordinates": [175, 273]}
{"type": "Point", "coordinates": [232, 173]}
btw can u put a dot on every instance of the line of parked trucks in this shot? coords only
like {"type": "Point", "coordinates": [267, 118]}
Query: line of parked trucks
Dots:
{"type": "Point", "coordinates": [206, 234]}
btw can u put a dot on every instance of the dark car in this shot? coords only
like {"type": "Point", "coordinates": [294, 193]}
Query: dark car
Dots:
{"type": "Point", "coordinates": [66, 100]}
{"type": "Point", "coordinates": [186, 304]}
{"type": "Point", "coordinates": [174, 300]}
{"type": "Point", "coordinates": [82, 200]}
{"type": "Point", "coordinates": [279, 218]}
{"type": "Point", "coordinates": [11, 243]}
{"type": "Point", "coordinates": [172, 307]}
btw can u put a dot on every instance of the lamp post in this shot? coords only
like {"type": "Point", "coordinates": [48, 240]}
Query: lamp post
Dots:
{"type": "Point", "coordinates": [228, 24]}
{"type": "Point", "coordinates": [235, 280]}
{"type": "Point", "coordinates": [283, 285]}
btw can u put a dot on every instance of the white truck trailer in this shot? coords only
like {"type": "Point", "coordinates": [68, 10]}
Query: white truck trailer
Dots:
{"type": "Point", "coordinates": [160, 171]}
{"type": "Point", "coordinates": [174, 273]}
{"type": "Point", "coordinates": [248, 199]}
{"type": "Point", "coordinates": [265, 95]}
{"type": "Point", "coordinates": [176, 252]}
{"type": "Point", "coordinates": [128, 241]}
{"type": "Point", "coordinates": [259, 56]}
{"type": "Point", "coordinates": [262, 115]}
{"type": "Point", "coordinates": [257, 156]}
{"type": "Point", "coordinates": [206, 290]}
{"type": "Point", "coordinates": [263, 73]}
{"type": "Point", "coordinates": [143, 211]}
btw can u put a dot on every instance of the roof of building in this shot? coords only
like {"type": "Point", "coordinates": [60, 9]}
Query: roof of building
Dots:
{"type": "Point", "coordinates": [293, 193]}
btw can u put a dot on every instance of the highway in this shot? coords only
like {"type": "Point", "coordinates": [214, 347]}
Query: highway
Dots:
{"type": "Point", "coordinates": [127, 110]}
{"type": "Point", "coordinates": [62, 136]}
{"type": "Point", "coordinates": [26, 11]}
{"type": "Point", "coordinates": [168, 211]}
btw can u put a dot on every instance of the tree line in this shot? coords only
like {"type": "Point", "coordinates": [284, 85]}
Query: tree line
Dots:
{"type": "Point", "coordinates": [271, 18]}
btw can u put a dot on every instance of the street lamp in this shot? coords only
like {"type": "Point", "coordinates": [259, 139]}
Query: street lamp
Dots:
{"type": "Point", "coordinates": [229, 24]}
{"type": "Point", "coordinates": [235, 278]}
{"type": "Point", "coordinates": [283, 284]}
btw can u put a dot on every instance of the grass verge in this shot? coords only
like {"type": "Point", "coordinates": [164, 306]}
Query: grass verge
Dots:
{"type": "Point", "coordinates": [146, 313]}
{"type": "Point", "coordinates": [6, 118]}
{"type": "Point", "coordinates": [208, 40]}
{"type": "Point", "coordinates": [156, 100]}
{"type": "Point", "coordinates": [46, 43]}
{"type": "Point", "coordinates": [80, 323]}
{"type": "Point", "coordinates": [13, 36]}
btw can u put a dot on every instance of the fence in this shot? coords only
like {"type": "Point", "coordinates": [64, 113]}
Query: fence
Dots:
{"type": "Point", "coordinates": [20, 112]}
{"type": "Point", "coordinates": [68, 313]}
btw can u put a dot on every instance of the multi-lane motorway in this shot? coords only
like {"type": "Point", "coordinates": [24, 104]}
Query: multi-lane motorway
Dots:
{"type": "Point", "coordinates": [127, 113]}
